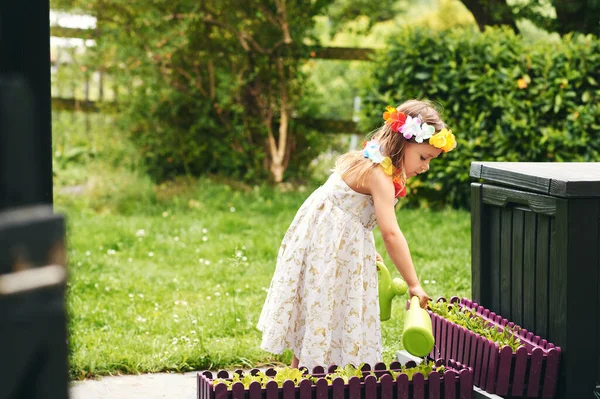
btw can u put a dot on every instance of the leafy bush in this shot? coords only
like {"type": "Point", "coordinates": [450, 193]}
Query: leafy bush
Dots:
{"type": "Point", "coordinates": [506, 100]}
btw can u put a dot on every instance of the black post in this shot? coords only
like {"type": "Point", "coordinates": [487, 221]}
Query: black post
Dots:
{"type": "Point", "coordinates": [33, 326]}
{"type": "Point", "coordinates": [25, 110]}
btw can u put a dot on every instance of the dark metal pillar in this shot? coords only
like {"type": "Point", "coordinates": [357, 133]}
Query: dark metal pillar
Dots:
{"type": "Point", "coordinates": [33, 327]}
{"type": "Point", "coordinates": [25, 113]}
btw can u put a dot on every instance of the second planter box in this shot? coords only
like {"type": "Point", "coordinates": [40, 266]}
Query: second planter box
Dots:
{"type": "Point", "coordinates": [455, 382]}
{"type": "Point", "coordinates": [531, 370]}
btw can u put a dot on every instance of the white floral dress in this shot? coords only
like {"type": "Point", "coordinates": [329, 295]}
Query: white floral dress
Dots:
{"type": "Point", "coordinates": [323, 302]}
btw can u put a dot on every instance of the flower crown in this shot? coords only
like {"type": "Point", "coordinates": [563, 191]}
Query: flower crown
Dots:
{"type": "Point", "coordinates": [411, 127]}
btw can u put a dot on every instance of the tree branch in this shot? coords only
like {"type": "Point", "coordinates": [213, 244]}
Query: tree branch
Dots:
{"type": "Point", "coordinates": [285, 27]}
{"type": "Point", "coordinates": [242, 37]}
{"type": "Point", "coordinates": [270, 16]}
{"type": "Point", "coordinates": [284, 111]}
{"type": "Point", "coordinates": [211, 79]}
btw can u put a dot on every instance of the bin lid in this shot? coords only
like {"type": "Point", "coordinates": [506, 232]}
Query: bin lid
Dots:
{"type": "Point", "coordinates": [560, 179]}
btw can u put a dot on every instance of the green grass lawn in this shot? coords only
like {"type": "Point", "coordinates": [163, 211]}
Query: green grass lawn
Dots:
{"type": "Point", "coordinates": [173, 277]}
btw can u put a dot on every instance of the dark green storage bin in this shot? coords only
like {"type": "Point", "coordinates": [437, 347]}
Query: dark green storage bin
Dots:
{"type": "Point", "coordinates": [536, 257]}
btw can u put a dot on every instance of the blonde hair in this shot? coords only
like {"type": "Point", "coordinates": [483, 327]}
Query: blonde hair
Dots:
{"type": "Point", "coordinates": [393, 144]}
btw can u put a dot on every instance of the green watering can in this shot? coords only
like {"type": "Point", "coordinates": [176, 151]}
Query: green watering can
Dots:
{"type": "Point", "coordinates": [417, 336]}
{"type": "Point", "coordinates": [388, 289]}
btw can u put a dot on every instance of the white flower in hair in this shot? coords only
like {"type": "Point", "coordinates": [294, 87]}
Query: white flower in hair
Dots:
{"type": "Point", "coordinates": [373, 152]}
{"type": "Point", "coordinates": [425, 132]}
{"type": "Point", "coordinates": [411, 127]}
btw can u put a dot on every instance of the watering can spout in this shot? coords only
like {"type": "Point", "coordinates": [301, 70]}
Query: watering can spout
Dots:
{"type": "Point", "coordinates": [388, 289]}
{"type": "Point", "coordinates": [417, 336]}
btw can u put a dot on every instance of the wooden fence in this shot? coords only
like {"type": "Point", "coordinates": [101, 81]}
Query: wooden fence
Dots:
{"type": "Point", "coordinates": [87, 105]}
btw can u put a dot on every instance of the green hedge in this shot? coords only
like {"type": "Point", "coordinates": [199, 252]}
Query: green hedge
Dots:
{"type": "Point", "coordinates": [478, 80]}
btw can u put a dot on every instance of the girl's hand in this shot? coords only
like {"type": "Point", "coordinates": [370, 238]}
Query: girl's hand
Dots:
{"type": "Point", "coordinates": [417, 290]}
{"type": "Point", "coordinates": [378, 257]}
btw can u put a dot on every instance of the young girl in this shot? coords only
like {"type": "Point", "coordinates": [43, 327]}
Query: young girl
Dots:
{"type": "Point", "coordinates": [323, 301]}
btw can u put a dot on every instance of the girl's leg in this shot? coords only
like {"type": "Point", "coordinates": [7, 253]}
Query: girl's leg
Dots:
{"type": "Point", "coordinates": [295, 362]}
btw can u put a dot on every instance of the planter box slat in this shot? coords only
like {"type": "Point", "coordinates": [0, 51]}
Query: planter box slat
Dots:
{"type": "Point", "coordinates": [530, 336]}
{"type": "Point", "coordinates": [478, 360]}
{"type": "Point", "coordinates": [434, 386]}
{"type": "Point", "coordinates": [305, 389]}
{"type": "Point", "coordinates": [450, 388]}
{"type": "Point", "coordinates": [387, 387]}
{"type": "Point", "coordinates": [395, 365]}
{"type": "Point", "coordinates": [504, 367]}
{"type": "Point", "coordinates": [411, 364]}
{"type": "Point", "coordinates": [493, 350]}
{"type": "Point", "coordinates": [435, 352]}
{"type": "Point", "coordinates": [486, 361]}
{"type": "Point", "coordinates": [473, 353]}
{"type": "Point", "coordinates": [518, 385]}
{"type": "Point", "coordinates": [451, 335]}
{"type": "Point", "coordinates": [447, 336]}
{"type": "Point", "coordinates": [354, 388]}
{"type": "Point", "coordinates": [402, 384]}
{"type": "Point", "coordinates": [271, 372]}
{"type": "Point", "coordinates": [223, 374]}
{"type": "Point", "coordinates": [272, 390]}
{"type": "Point", "coordinates": [418, 386]}
{"type": "Point", "coordinates": [370, 387]}
{"type": "Point", "coordinates": [448, 352]}
{"type": "Point", "coordinates": [461, 343]}
{"type": "Point", "coordinates": [535, 372]}
{"type": "Point", "coordinates": [380, 366]}
{"type": "Point", "coordinates": [289, 390]}
{"type": "Point", "coordinates": [465, 378]}
{"type": "Point", "coordinates": [465, 352]}
{"type": "Point", "coordinates": [255, 390]}
{"type": "Point", "coordinates": [221, 392]}
{"type": "Point", "coordinates": [237, 391]}
{"type": "Point", "coordinates": [321, 390]}
{"type": "Point", "coordinates": [443, 349]}
{"type": "Point", "coordinates": [337, 387]}
{"type": "Point", "coordinates": [455, 347]}
{"type": "Point", "coordinates": [551, 374]}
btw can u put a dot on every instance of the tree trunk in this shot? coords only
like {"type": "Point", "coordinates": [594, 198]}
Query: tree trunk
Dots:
{"type": "Point", "coordinates": [277, 170]}
{"type": "Point", "coordinates": [278, 147]}
{"type": "Point", "coordinates": [491, 12]}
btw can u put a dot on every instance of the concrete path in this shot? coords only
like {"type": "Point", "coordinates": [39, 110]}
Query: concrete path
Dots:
{"type": "Point", "coordinates": [143, 386]}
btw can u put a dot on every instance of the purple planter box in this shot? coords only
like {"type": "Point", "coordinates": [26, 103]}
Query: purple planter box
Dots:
{"type": "Point", "coordinates": [456, 383]}
{"type": "Point", "coordinates": [531, 371]}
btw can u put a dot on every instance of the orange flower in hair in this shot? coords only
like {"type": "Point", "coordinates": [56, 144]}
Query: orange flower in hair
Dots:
{"type": "Point", "coordinates": [394, 118]}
